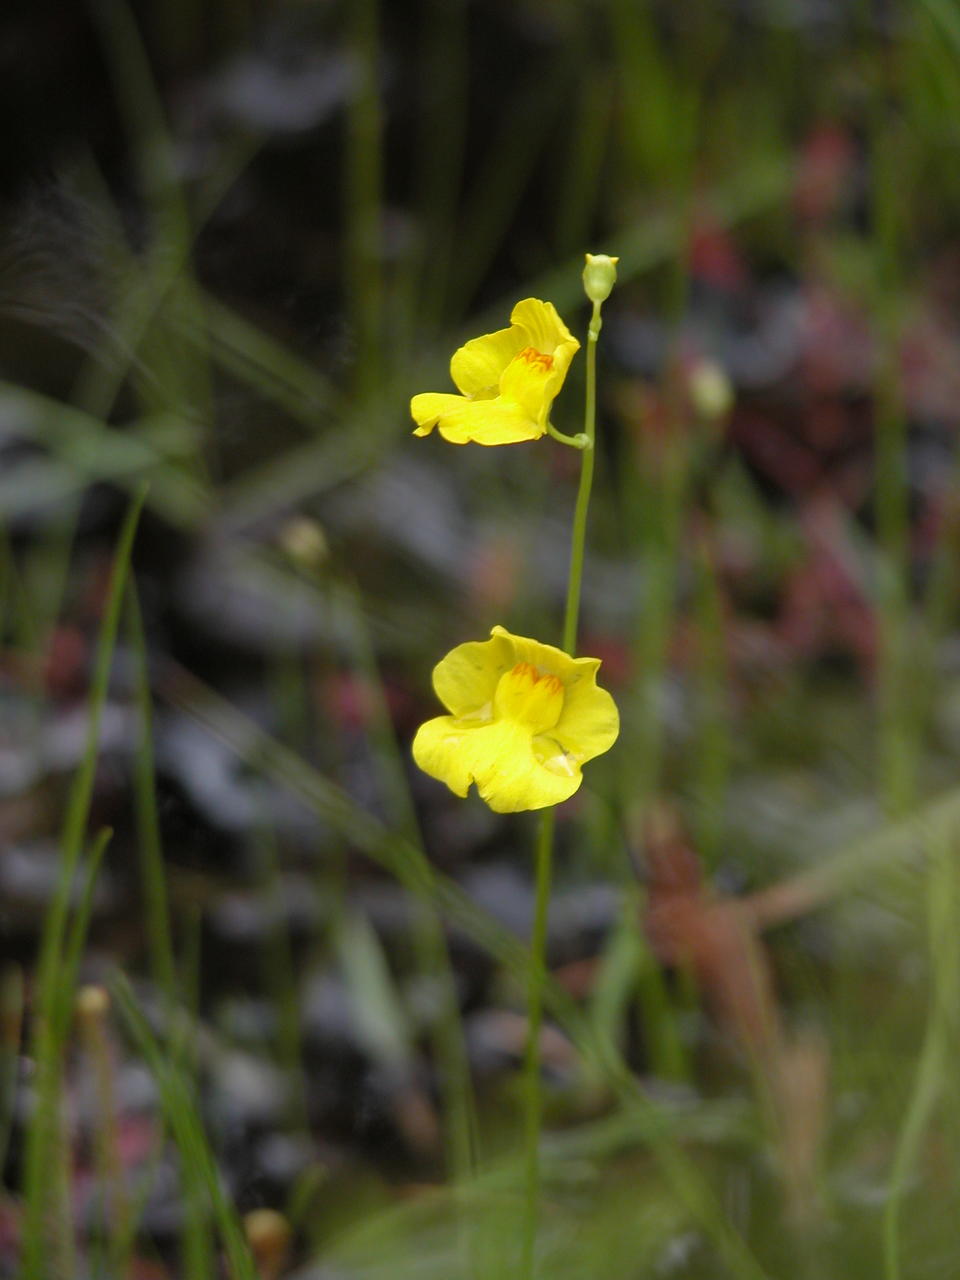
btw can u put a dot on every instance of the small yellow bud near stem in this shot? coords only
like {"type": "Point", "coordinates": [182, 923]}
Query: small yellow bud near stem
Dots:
{"type": "Point", "coordinates": [599, 276]}
{"type": "Point", "coordinates": [92, 1004]}
{"type": "Point", "coordinates": [710, 390]}
{"type": "Point", "coordinates": [305, 542]}
{"type": "Point", "coordinates": [268, 1235]}
{"type": "Point", "coordinates": [92, 1010]}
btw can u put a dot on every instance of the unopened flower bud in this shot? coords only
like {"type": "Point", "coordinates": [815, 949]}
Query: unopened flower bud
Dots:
{"type": "Point", "coordinates": [305, 542]}
{"type": "Point", "coordinates": [710, 390]}
{"type": "Point", "coordinates": [92, 1004]}
{"type": "Point", "coordinates": [268, 1235]}
{"type": "Point", "coordinates": [599, 276]}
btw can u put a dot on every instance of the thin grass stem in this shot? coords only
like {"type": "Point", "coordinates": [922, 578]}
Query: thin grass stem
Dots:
{"type": "Point", "coordinates": [92, 1014]}
{"type": "Point", "coordinates": [898, 728]}
{"type": "Point", "coordinates": [440, 152]}
{"type": "Point", "coordinates": [280, 975]}
{"type": "Point", "coordinates": [429, 944]}
{"type": "Point", "coordinates": [42, 1136]}
{"type": "Point", "coordinates": [11, 1031]}
{"type": "Point", "coordinates": [202, 1180]}
{"type": "Point", "coordinates": [711, 765]}
{"type": "Point", "coordinates": [532, 1083]}
{"type": "Point", "coordinates": [149, 843]}
{"type": "Point", "coordinates": [363, 178]}
{"type": "Point", "coordinates": [935, 1066]}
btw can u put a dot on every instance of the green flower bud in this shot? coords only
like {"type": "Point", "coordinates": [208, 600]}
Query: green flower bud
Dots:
{"type": "Point", "coordinates": [599, 276]}
{"type": "Point", "coordinates": [305, 542]}
{"type": "Point", "coordinates": [710, 390]}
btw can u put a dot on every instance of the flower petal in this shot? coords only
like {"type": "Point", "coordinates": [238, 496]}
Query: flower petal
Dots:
{"type": "Point", "coordinates": [466, 679]}
{"type": "Point", "coordinates": [438, 749]}
{"type": "Point", "coordinates": [429, 407]}
{"type": "Point", "coordinates": [589, 723]}
{"type": "Point", "coordinates": [486, 422]}
{"type": "Point", "coordinates": [476, 367]}
{"type": "Point", "coordinates": [532, 385]}
{"type": "Point", "coordinates": [510, 777]}
{"type": "Point", "coordinates": [534, 377]}
{"type": "Point", "coordinates": [499, 757]}
{"type": "Point", "coordinates": [543, 329]}
{"type": "Point", "coordinates": [547, 657]}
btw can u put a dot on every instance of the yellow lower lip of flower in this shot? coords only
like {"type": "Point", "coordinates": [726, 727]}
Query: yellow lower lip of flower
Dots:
{"type": "Point", "coordinates": [510, 772]}
{"type": "Point", "coordinates": [463, 421]}
{"type": "Point", "coordinates": [524, 717]}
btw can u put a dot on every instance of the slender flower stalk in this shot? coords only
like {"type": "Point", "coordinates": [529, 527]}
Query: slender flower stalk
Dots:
{"type": "Point", "coordinates": [579, 535]}
{"type": "Point", "coordinates": [599, 277]}
{"type": "Point", "coordinates": [523, 716]}
{"type": "Point", "coordinates": [532, 1084]}
{"type": "Point", "coordinates": [92, 1010]}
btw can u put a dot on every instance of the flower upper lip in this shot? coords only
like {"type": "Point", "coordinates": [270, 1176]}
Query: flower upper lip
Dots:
{"type": "Point", "coordinates": [529, 697]}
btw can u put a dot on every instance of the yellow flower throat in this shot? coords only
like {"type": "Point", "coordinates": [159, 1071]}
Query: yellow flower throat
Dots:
{"type": "Point", "coordinates": [528, 698]}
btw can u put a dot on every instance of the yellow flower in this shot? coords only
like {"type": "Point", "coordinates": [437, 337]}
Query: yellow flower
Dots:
{"type": "Point", "coordinates": [508, 380]}
{"type": "Point", "coordinates": [524, 717]}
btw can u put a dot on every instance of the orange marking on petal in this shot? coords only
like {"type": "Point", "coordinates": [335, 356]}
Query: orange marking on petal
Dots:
{"type": "Point", "coordinates": [527, 671]}
{"type": "Point", "coordinates": [536, 359]}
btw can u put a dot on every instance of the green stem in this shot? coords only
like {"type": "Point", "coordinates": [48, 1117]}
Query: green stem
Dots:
{"type": "Point", "coordinates": [935, 1064]}
{"type": "Point", "coordinates": [579, 441]}
{"type": "Point", "coordinates": [900, 663]}
{"type": "Point", "coordinates": [153, 882]}
{"type": "Point", "coordinates": [579, 535]}
{"type": "Point", "coordinates": [533, 1089]}
{"type": "Point", "coordinates": [363, 183]}
{"type": "Point", "coordinates": [429, 942]}
{"type": "Point", "coordinates": [53, 983]}
{"type": "Point", "coordinates": [532, 1086]}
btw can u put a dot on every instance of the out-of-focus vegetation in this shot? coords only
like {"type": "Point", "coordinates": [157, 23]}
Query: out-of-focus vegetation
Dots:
{"type": "Point", "coordinates": [251, 961]}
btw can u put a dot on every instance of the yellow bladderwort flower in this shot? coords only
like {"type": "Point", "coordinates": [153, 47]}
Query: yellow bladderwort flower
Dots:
{"type": "Point", "coordinates": [524, 717]}
{"type": "Point", "coordinates": [508, 381]}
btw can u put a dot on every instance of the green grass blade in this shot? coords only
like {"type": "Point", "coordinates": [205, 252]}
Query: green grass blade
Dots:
{"type": "Point", "coordinates": [198, 1165]}
{"type": "Point", "coordinates": [42, 1134]}
{"type": "Point", "coordinates": [149, 844]}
